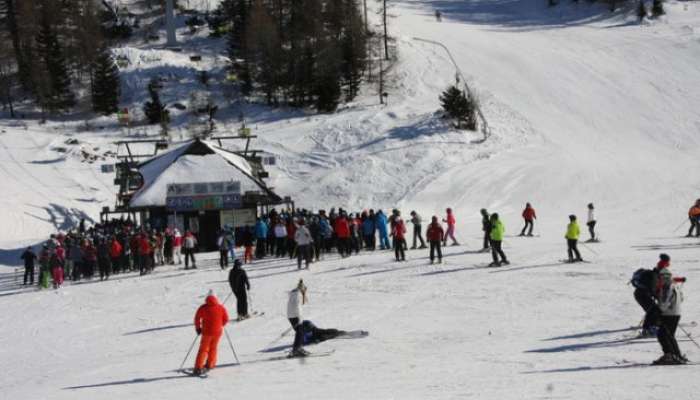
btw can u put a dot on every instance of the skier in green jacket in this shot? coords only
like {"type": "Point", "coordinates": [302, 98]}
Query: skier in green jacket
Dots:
{"type": "Point", "coordinates": [572, 234]}
{"type": "Point", "coordinates": [496, 238]}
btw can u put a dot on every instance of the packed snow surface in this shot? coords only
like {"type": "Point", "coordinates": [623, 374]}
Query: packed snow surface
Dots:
{"type": "Point", "coordinates": [584, 105]}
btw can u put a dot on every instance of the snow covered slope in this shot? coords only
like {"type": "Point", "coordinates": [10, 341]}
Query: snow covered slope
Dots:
{"type": "Point", "coordinates": [584, 105]}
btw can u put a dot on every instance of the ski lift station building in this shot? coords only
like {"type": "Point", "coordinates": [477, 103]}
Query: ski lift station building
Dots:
{"type": "Point", "coordinates": [198, 186]}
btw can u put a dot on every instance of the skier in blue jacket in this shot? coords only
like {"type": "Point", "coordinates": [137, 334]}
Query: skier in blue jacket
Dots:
{"type": "Point", "coordinates": [261, 238]}
{"type": "Point", "coordinates": [368, 231]}
{"type": "Point", "coordinates": [381, 222]}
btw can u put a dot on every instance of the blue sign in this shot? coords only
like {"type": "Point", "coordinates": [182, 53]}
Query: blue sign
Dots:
{"type": "Point", "coordinates": [206, 202]}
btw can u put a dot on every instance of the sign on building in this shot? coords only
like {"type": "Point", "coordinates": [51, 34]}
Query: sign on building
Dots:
{"type": "Point", "coordinates": [203, 196]}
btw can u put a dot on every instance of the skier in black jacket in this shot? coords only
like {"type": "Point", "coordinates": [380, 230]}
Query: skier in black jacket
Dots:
{"type": "Point", "coordinates": [645, 282]}
{"type": "Point", "coordinates": [486, 227]}
{"type": "Point", "coordinates": [238, 279]}
{"type": "Point", "coordinates": [29, 258]}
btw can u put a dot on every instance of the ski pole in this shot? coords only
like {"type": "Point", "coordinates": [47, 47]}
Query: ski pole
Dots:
{"type": "Point", "coordinates": [279, 337]}
{"type": "Point", "coordinates": [231, 344]}
{"type": "Point", "coordinates": [589, 249]}
{"type": "Point", "coordinates": [689, 337]}
{"type": "Point", "coordinates": [679, 226]}
{"type": "Point", "coordinates": [226, 299]}
{"type": "Point", "coordinates": [189, 351]}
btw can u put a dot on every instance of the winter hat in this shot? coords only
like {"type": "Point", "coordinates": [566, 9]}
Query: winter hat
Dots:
{"type": "Point", "coordinates": [301, 286]}
{"type": "Point", "coordinates": [664, 261]}
{"type": "Point", "coordinates": [572, 217]}
{"type": "Point", "coordinates": [236, 263]}
{"type": "Point", "coordinates": [435, 220]}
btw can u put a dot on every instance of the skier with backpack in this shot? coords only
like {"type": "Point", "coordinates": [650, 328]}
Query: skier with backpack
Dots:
{"type": "Point", "coordinates": [434, 234]}
{"type": "Point", "coordinates": [529, 216]}
{"type": "Point", "coordinates": [209, 322]}
{"type": "Point", "coordinates": [238, 280]}
{"type": "Point", "coordinates": [645, 283]}
{"type": "Point", "coordinates": [573, 231]}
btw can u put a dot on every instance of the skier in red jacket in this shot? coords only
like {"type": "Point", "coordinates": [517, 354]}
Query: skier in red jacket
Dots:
{"type": "Point", "coordinates": [451, 222]}
{"type": "Point", "coordinates": [342, 232]}
{"type": "Point", "coordinates": [209, 321]}
{"type": "Point", "coordinates": [434, 234]}
{"type": "Point", "coordinates": [398, 231]}
{"type": "Point", "coordinates": [529, 216]}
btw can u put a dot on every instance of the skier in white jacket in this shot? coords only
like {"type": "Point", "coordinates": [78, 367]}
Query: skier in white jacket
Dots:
{"type": "Point", "coordinates": [297, 298]}
{"type": "Point", "coordinates": [670, 297]}
{"type": "Point", "coordinates": [303, 239]}
{"type": "Point", "coordinates": [591, 222]}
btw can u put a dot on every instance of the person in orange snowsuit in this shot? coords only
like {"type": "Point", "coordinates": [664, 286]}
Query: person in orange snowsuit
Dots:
{"type": "Point", "coordinates": [209, 321]}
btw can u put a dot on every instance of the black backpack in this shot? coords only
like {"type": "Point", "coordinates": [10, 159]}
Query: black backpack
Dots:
{"type": "Point", "coordinates": [643, 279]}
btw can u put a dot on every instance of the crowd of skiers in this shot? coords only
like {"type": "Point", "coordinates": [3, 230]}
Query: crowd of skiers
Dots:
{"type": "Point", "coordinates": [309, 236]}
{"type": "Point", "coordinates": [121, 246]}
{"type": "Point", "coordinates": [115, 247]}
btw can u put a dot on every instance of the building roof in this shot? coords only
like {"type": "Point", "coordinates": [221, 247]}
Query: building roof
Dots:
{"type": "Point", "coordinates": [195, 161]}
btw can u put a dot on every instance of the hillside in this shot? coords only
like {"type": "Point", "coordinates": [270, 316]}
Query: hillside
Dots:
{"type": "Point", "coordinates": [584, 105]}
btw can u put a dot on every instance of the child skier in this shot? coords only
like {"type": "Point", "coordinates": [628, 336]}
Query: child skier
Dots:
{"type": "Point", "coordinates": [209, 321]}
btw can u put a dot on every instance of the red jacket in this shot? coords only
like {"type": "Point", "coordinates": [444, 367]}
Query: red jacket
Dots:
{"type": "Point", "coordinates": [342, 228]}
{"type": "Point", "coordinates": [450, 219]}
{"type": "Point", "coordinates": [211, 317]}
{"type": "Point", "coordinates": [434, 233]}
{"type": "Point", "coordinates": [291, 230]}
{"type": "Point", "coordinates": [115, 249]}
{"type": "Point", "coordinates": [529, 214]}
{"type": "Point", "coordinates": [399, 230]}
{"type": "Point", "coordinates": [90, 252]}
{"type": "Point", "coordinates": [144, 246]}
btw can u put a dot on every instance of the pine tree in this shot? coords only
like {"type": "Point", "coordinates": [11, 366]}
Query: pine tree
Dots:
{"type": "Point", "coordinates": [460, 106]}
{"type": "Point", "coordinates": [106, 85]}
{"type": "Point", "coordinates": [155, 111]}
{"type": "Point", "coordinates": [55, 93]}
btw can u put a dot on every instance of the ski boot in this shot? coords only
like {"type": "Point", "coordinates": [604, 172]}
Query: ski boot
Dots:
{"type": "Point", "coordinates": [667, 359]}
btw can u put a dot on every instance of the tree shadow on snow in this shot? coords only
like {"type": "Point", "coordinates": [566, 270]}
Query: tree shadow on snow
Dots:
{"type": "Point", "coordinates": [520, 14]}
